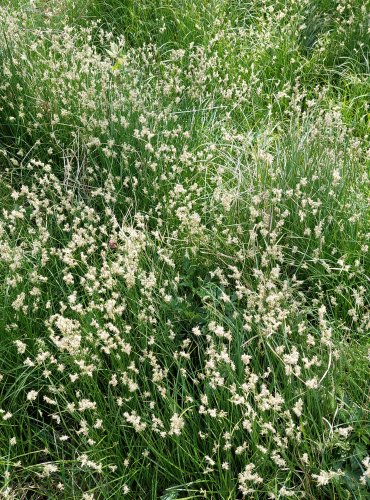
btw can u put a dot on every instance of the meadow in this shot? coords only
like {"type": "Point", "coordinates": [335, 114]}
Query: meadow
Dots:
{"type": "Point", "coordinates": [184, 249]}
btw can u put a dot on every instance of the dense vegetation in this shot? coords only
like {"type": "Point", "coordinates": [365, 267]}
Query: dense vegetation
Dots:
{"type": "Point", "coordinates": [184, 249]}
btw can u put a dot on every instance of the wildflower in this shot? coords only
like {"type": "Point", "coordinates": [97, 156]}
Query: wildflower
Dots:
{"type": "Point", "coordinates": [326, 476]}
{"type": "Point", "coordinates": [21, 346]}
{"type": "Point", "coordinates": [48, 469]}
{"type": "Point", "coordinates": [298, 407]}
{"type": "Point", "coordinates": [248, 476]}
{"type": "Point", "coordinates": [312, 383]}
{"type": "Point", "coordinates": [177, 423]}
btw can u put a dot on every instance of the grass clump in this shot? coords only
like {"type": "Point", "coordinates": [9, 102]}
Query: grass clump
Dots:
{"type": "Point", "coordinates": [184, 263]}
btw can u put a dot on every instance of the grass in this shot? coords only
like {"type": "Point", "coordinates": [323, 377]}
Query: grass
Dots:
{"type": "Point", "coordinates": [184, 235]}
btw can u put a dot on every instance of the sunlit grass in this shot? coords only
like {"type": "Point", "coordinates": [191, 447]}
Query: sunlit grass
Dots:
{"type": "Point", "coordinates": [184, 249]}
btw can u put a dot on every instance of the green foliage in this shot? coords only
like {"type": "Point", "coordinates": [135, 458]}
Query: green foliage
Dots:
{"type": "Point", "coordinates": [184, 249]}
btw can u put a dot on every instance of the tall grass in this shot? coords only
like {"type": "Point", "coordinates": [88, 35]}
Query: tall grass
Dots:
{"type": "Point", "coordinates": [184, 238]}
